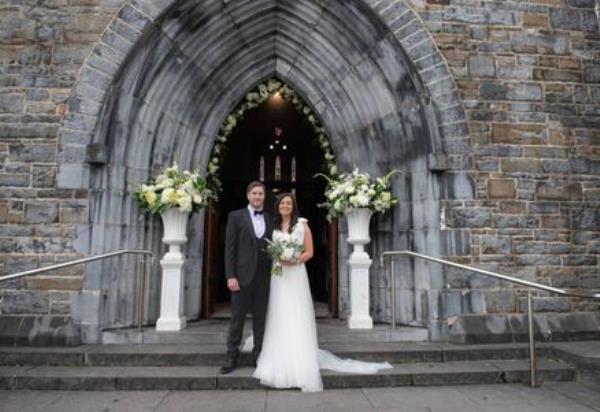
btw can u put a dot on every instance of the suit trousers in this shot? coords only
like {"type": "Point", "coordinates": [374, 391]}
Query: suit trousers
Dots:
{"type": "Point", "coordinates": [251, 298]}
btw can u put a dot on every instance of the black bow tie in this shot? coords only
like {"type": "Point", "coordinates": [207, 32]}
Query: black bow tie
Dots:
{"type": "Point", "coordinates": [258, 212]}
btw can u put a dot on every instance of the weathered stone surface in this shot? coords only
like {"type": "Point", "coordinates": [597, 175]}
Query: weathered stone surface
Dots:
{"type": "Point", "coordinates": [46, 212]}
{"type": "Point", "coordinates": [501, 188]}
{"type": "Point", "coordinates": [15, 302]}
{"type": "Point", "coordinates": [512, 88]}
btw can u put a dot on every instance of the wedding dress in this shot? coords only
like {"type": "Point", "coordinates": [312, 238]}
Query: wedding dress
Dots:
{"type": "Point", "coordinates": [290, 357]}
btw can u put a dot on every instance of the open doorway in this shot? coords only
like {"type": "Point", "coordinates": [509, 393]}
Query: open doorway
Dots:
{"type": "Point", "coordinates": [273, 144]}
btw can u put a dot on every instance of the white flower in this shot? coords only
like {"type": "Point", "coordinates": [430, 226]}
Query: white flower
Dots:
{"type": "Point", "coordinates": [288, 254]}
{"type": "Point", "coordinates": [212, 168]}
{"type": "Point", "coordinates": [197, 199]}
{"type": "Point", "coordinates": [167, 196]}
{"type": "Point", "coordinates": [187, 186]}
{"type": "Point", "coordinates": [253, 97]}
{"type": "Point", "coordinates": [163, 182]}
{"type": "Point", "coordinates": [185, 203]}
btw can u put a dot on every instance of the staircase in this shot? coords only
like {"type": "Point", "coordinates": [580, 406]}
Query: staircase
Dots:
{"type": "Point", "coordinates": [193, 362]}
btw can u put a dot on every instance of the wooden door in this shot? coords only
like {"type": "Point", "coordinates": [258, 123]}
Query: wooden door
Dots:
{"type": "Point", "coordinates": [210, 266]}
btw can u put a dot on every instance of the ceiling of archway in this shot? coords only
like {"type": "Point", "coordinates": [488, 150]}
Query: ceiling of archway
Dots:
{"type": "Point", "coordinates": [187, 73]}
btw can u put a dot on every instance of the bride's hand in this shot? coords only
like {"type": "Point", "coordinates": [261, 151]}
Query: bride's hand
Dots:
{"type": "Point", "coordinates": [288, 262]}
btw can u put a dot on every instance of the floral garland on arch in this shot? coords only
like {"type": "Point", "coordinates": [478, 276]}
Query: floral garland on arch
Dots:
{"type": "Point", "coordinates": [253, 99]}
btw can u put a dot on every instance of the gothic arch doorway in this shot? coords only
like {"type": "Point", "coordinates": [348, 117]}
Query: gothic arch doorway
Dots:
{"type": "Point", "coordinates": [275, 144]}
{"type": "Point", "coordinates": [159, 83]}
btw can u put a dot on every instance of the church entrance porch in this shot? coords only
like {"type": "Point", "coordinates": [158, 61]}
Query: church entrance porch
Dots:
{"type": "Point", "coordinates": [276, 145]}
{"type": "Point", "coordinates": [184, 74]}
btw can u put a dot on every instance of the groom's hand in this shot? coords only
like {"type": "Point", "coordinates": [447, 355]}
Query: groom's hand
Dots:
{"type": "Point", "coordinates": [233, 285]}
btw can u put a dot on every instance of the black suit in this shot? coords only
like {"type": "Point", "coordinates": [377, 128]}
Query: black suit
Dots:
{"type": "Point", "coordinates": [246, 260]}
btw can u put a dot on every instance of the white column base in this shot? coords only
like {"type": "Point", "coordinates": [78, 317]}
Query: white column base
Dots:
{"type": "Point", "coordinates": [359, 292]}
{"type": "Point", "coordinates": [170, 325]}
{"type": "Point", "coordinates": [360, 323]}
{"type": "Point", "coordinates": [171, 299]}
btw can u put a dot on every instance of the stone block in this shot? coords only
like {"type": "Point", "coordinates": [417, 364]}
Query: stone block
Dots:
{"type": "Point", "coordinates": [546, 304]}
{"type": "Point", "coordinates": [557, 190]}
{"type": "Point", "coordinates": [510, 91]}
{"type": "Point", "coordinates": [520, 165]}
{"type": "Point", "coordinates": [580, 260]}
{"type": "Point", "coordinates": [573, 19]}
{"type": "Point", "coordinates": [518, 133]}
{"type": "Point", "coordinates": [74, 212]}
{"type": "Point", "coordinates": [450, 303]}
{"type": "Point", "coordinates": [495, 245]}
{"type": "Point", "coordinates": [586, 218]}
{"type": "Point", "coordinates": [544, 207]}
{"type": "Point", "coordinates": [535, 20]}
{"type": "Point", "coordinates": [43, 176]}
{"type": "Point", "coordinates": [32, 153]}
{"type": "Point", "coordinates": [41, 212]}
{"type": "Point", "coordinates": [472, 217]}
{"type": "Point", "coordinates": [540, 43]}
{"type": "Point", "coordinates": [12, 103]}
{"type": "Point", "coordinates": [38, 330]}
{"type": "Point", "coordinates": [501, 188]}
{"type": "Point", "coordinates": [42, 282]}
{"type": "Point", "coordinates": [529, 248]}
{"type": "Point", "coordinates": [558, 248]}
{"type": "Point", "coordinates": [509, 206]}
{"type": "Point", "coordinates": [556, 166]}
{"type": "Point", "coordinates": [14, 180]}
{"type": "Point", "coordinates": [482, 65]}
{"type": "Point", "coordinates": [556, 222]}
{"type": "Point", "coordinates": [24, 302]}
{"type": "Point", "coordinates": [515, 221]}
{"type": "Point", "coordinates": [500, 301]}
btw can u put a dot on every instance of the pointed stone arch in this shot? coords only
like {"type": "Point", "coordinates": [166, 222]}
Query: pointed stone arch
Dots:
{"type": "Point", "coordinates": [165, 73]}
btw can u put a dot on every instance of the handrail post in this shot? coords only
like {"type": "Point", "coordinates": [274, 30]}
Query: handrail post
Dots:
{"type": "Point", "coordinates": [141, 304]}
{"type": "Point", "coordinates": [139, 273]}
{"type": "Point", "coordinates": [393, 291]}
{"type": "Point", "coordinates": [531, 340]}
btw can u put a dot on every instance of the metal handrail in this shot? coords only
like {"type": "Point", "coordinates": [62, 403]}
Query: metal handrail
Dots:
{"type": "Point", "coordinates": [141, 273]}
{"type": "Point", "coordinates": [527, 283]}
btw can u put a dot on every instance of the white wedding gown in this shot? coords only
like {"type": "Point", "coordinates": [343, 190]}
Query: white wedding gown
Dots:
{"type": "Point", "coordinates": [290, 357]}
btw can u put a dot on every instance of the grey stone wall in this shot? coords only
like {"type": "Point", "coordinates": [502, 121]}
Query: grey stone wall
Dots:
{"type": "Point", "coordinates": [511, 91]}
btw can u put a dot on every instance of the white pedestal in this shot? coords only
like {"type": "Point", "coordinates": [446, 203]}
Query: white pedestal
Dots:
{"type": "Point", "coordinates": [359, 293]}
{"type": "Point", "coordinates": [171, 294]}
{"type": "Point", "coordinates": [359, 263]}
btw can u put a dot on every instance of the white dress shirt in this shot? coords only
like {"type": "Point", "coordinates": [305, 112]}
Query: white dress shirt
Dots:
{"type": "Point", "coordinates": [258, 221]}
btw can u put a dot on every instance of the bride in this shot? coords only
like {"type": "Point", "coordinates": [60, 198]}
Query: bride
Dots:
{"type": "Point", "coordinates": [290, 357]}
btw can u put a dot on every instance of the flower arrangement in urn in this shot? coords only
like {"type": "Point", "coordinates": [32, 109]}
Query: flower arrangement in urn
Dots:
{"type": "Point", "coordinates": [357, 190]}
{"type": "Point", "coordinates": [183, 190]}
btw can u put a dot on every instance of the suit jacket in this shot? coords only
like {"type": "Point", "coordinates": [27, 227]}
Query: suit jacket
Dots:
{"type": "Point", "coordinates": [241, 249]}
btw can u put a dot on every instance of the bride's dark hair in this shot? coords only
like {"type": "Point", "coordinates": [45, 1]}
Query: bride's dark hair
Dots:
{"type": "Point", "coordinates": [295, 213]}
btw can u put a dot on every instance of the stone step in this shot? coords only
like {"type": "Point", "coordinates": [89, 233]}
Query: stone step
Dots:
{"type": "Point", "coordinates": [208, 377]}
{"type": "Point", "coordinates": [214, 331]}
{"type": "Point", "coordinates": [213, 355]}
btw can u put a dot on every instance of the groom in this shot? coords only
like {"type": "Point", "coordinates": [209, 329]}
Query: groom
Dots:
{"type": "Point", "coordinates": [247, 270]}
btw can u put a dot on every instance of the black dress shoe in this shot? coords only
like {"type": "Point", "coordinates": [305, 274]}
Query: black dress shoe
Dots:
{"type": "Point", "coordinates": [230, 365]}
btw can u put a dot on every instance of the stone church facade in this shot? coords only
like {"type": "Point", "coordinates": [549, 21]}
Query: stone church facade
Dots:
{"type": "Point", "coordinates": [491, 108]}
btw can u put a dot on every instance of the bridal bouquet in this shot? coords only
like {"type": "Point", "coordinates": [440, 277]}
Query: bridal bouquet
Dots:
{"type": "Point", "coordinates": [286, 248]}
{"type": "Point", "coordinates": [357, 190]}
{"type": "Point", "coordinates": [173, 188]}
